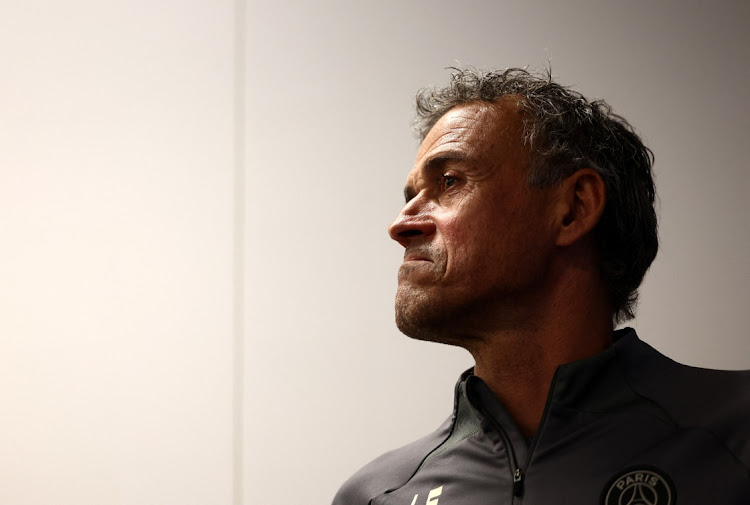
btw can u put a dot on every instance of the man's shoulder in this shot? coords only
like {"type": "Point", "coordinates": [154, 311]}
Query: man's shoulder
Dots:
{"type": "Point", "coordinates": [390, 470]}
{"type": "Point", "coordinates": [714, 401]}
{"type": "Point", "coordinates": [700, 394]}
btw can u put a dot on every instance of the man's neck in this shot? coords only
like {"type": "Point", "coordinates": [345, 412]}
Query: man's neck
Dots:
{"type": "Point", "coordinates": [521, 374]}
{"type": "Point", "coordinates": [518, 364]}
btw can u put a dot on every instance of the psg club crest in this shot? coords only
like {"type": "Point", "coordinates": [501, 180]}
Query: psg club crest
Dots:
{"type": "Point", "coordinates": [639, 486]}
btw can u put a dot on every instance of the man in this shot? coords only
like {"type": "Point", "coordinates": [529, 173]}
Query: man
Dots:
{"type": "Point", "coordinates": [528, 227]}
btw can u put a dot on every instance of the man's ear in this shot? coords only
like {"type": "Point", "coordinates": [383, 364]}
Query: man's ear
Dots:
{"type": "Point", "coordinates": [581, 205]}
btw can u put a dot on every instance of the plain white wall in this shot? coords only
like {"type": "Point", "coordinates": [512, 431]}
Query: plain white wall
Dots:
{"type": "Point", "coordinates": [330, 382]}
{"type": "Point", "coordinates": [116, 269]}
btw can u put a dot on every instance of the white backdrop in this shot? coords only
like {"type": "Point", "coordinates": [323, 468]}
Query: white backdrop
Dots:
{"type": "Point", "coordinates": [116, 270]}
{"type": "Point", "coordinates": [196, 283]}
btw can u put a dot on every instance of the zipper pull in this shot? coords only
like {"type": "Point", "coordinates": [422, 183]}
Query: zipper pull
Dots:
{"type": "Point", "coordinates": [518, 483]}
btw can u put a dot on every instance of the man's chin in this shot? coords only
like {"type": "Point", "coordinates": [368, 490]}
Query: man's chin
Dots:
{"type": "Point", "coordinates": [418, 318]}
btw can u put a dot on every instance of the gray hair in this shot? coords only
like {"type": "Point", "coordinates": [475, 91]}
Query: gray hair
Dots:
{"type": "Point", "coordinates": [565, 132]}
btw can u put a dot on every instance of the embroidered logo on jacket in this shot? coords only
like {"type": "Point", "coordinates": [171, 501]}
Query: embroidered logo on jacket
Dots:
{"type": "Point", "coordinates": [639, 486]}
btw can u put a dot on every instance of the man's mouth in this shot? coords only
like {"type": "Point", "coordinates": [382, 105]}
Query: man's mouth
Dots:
{"type": "Point", "coordinates": [410, 256]}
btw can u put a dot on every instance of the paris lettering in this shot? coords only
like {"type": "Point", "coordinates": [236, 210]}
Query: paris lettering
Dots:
{"type": "Point", "coordinates": [637, 478]}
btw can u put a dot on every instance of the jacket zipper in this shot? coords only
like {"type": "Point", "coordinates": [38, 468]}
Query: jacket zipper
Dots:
{"type": "Point", "coordinates": [515, 469]}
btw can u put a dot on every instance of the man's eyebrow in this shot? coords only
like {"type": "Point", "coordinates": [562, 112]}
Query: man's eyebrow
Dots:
{"type": "Point", "coordinates": [435, 164]}
{"type": "Point", "coordinates": [439, 160]}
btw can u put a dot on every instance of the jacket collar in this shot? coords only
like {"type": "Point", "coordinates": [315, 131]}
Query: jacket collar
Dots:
{"type": "Point", "coordinates": [593, 384]}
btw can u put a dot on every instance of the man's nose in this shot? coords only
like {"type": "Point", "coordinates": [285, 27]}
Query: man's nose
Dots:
{"type": "Point", "coordinates": [411, 225]}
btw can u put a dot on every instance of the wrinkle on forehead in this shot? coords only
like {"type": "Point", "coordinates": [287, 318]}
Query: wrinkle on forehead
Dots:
{"type": "Point", "coordinates": [485, 120]}
{"type": "Point", "coordinates": [478, 129]}
{"type": "Point", "coordinates": [457, 124]}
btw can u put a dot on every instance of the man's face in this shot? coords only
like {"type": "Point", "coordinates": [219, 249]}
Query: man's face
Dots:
{"type": "Point", "coordinates": [477, 238]}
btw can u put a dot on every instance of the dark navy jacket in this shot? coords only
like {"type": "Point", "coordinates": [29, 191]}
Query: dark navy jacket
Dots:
{"type": "Point", "coordinates": [625, 427]}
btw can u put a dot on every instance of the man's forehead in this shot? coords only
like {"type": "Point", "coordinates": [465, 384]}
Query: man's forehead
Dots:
{"type": "Point", "coordinates": [460, 124]}
{"type": "Point", "coordinates": [473, 122]}
{"type": "Point", "coordinates": [472, 130]}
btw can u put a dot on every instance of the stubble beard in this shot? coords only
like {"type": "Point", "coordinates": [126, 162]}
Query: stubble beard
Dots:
{"type": "Point", "coordinates": [423, 315]}
{"type": "Point", "coordinates": [460, 316]}
{"type": "Point", "coordinates": [420, 314]}
{"type": "Point", "coordinates": [432, 308]}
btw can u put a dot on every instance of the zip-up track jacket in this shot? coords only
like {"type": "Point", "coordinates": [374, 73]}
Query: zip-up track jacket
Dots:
{"type": "Point", "coordinates": [625, 427]}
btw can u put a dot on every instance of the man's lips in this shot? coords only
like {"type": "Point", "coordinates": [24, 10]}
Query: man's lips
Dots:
{"type": "Point", "coordinates": [410, 257]}
{"type": "Point", "coordinates": [417, 264]}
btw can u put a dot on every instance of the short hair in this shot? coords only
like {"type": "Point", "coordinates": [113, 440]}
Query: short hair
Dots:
{"type": "Point", "coordinates": [565, 132]}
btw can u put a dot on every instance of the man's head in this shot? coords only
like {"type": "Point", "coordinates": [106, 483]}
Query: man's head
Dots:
{"type": "Point", "coordinates": [486, 205]}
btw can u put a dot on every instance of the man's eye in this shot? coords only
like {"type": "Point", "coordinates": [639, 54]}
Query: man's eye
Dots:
{"type": "Point", "coordinates": [447, 181]}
